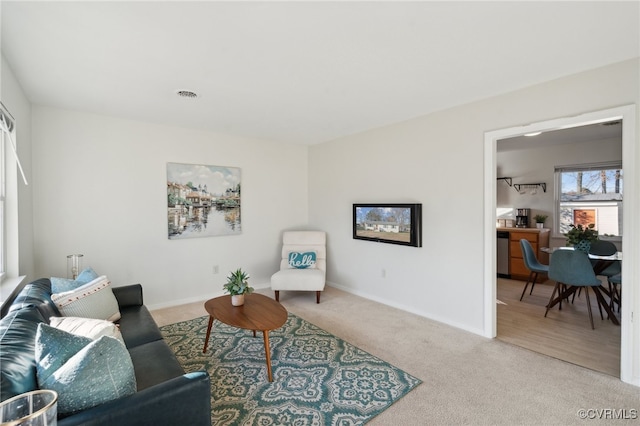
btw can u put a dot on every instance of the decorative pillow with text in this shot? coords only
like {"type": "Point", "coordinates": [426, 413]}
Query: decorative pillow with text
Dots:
{"type": "Point", "coordinates": [306, 260]}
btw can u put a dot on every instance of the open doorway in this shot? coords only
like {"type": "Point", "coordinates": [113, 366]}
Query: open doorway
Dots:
{"type": "Point", "coordinates": [628, 342]}
{"type": "Point", "coordinates": [535, 165]}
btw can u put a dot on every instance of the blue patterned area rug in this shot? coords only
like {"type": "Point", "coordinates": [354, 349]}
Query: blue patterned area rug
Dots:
{"type": "Point", "coordinates": [318, 379]}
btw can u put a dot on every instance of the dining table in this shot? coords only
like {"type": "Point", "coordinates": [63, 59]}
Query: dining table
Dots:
{"type": "Point", "coordinates": [600, 263]}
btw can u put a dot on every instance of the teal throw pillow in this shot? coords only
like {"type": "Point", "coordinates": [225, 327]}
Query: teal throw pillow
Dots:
{"type": "Point", "coordinates": [54, 347]}
{"type": "Point", "coordinates": [304, 260]}
{"type": "Point", "coordinates": [60, 285]}
{"type": "Point", "coordinates": [99, 372]}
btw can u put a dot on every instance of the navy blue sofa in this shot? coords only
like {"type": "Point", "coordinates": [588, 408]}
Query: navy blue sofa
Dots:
{"type": "Point", "coordinates": [165, 394]}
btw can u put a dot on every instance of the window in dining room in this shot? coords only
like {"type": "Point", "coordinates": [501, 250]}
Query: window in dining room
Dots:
{"type": "Point", "coordinates": [590, 193]}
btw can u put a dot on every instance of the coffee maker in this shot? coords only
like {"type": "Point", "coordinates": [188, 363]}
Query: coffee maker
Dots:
{"type": "Point", "coordinates": [522, 218]}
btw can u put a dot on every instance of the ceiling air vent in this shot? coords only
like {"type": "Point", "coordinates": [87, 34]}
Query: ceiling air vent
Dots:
{"type": "Point", "coordinates": [186, 94]}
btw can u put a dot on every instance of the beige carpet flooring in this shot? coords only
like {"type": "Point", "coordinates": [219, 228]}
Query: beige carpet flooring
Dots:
{"type": "Point", "coordinates": [468, 379]}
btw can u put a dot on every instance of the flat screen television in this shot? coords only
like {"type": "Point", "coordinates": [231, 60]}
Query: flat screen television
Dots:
{"type": "Point", "coordinates": [388, 223]}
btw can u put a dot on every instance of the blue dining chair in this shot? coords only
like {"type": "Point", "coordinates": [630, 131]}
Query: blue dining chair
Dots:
{"type": "Point", "coordinates": [605, 248]}
{"type": "Point", "coordinates": [573, 269]}
{"type": "Point", "coordinates": [532, 264]}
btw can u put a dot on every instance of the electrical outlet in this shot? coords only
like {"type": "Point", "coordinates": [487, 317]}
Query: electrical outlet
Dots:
{"type": "Point", "coordinates": [216, 269]}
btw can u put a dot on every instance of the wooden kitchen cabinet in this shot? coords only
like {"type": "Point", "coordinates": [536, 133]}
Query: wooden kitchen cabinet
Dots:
{"type": "Point", "coordinates": [538, 238]}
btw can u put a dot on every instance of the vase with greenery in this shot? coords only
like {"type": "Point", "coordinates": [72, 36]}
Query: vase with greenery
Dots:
{"type": "Point", "coordinates": [581, 237]}
{"type": "Point", "coordinates": [540, 219]}
{"type": "Point", "coordinates": [237, 286]}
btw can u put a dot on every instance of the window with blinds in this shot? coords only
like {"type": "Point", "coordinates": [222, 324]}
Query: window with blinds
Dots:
{"type": "Point", "coordinates": [3, 238]}
{"type": "Point", "coordinates": [7, 132]}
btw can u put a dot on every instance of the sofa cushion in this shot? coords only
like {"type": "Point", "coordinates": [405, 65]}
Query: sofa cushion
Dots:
{"type": "Point", "coordinates": [60, 285]}
{"type": "Point", "coordinates": [154, 363]}
{"type": "Point", "coordinates": [87, 327]}
{"type": "Point", "coordinates": [298, 279]}
{"type": "Point", "coordinates": [17, 345]}
{"type": "Point", "coordinates": [92, 300]}
{"type": "Point", "coordinates": [99, 371]}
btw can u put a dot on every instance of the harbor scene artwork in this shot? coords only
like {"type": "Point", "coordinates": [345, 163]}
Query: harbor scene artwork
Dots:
{"type": "Point", "coordinates": [202, 201]}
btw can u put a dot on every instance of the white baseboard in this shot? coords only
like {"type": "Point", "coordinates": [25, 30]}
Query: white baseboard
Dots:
{"type": "Point", "coordinates": [409, 309]}
{"type": "Point", "coordinates": [202, 298]}
{"type": "Point", "coordinates": [262, 286]}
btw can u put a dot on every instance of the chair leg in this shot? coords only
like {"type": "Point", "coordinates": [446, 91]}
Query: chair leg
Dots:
{"type": "Point", "coordinates": [600, 309]}
{"type": "Point", "coordinates": [586, 294]}
{"type": "Point", "coordinates": [562, 289]}
{"type": "Point", "coordinates": [574, 295]}
{"type": "Point", "coordinates": [553, 295]}
{"type": "Point", "coordinates": [317, 296]}
{"type": "Point", "coordinates": [277, 292]}
{"type": "Point", "coordinates": [526, 285]}
{"type": "Point", "coordinates": [614, 295]}
{"type": "Point", "coordinates": [533, 283]}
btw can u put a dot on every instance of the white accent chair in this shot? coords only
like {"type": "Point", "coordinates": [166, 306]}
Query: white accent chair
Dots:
{"type": "Point", "coordinates": [309, 279]}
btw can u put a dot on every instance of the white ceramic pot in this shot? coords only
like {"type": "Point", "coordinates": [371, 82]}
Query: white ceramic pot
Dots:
{"type": "Point", "coordinates": [540, 225]}
{"type": "Point", "coordinates": [237, 299]}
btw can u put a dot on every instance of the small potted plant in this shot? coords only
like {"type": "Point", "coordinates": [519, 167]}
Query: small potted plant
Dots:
{"type": "Point", "coordinates": [237, 286]}
{"type": "Point", "coordinates": [581, 237]}
{"type": "Point", "coordinates": [540, 218]}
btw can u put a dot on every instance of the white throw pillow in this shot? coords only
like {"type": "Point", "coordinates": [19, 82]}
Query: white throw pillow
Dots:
{"type": "Point", "coordinates": [92, 300]}
{"type": "Point", "coordinates": [87, 327]}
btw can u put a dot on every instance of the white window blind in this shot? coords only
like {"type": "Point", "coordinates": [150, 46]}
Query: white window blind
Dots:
{"type": "Point", "coordinates": [3, 238]}
{"type": "Point", "coordinates": [7, 127]}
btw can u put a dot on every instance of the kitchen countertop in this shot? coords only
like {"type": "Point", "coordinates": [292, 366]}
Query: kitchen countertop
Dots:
{"type": "Point", "coordinates": [514, 229]}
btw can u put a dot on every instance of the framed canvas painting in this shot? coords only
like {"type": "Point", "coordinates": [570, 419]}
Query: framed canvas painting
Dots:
{"type": "Point", "coordinates": [203, 201]}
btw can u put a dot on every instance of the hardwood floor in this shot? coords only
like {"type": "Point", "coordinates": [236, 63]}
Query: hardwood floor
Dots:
{"type": "Point", "coordinates": [564, 334]}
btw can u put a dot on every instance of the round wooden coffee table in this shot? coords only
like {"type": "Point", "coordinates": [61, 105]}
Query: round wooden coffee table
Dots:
{"type": "Point", "coordinates": [258, 313]}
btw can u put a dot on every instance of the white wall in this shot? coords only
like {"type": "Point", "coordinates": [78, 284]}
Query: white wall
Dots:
{"type": "Point", "coordinates": [100, 190]}
{"type": "Point", "coordinates": [436, 160]}
{"type": "Point", "coordinates": [538, 165]}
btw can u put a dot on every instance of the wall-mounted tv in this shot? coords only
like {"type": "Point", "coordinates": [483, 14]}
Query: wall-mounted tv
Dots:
{"type": "Point", "coordinates": [388, 223]}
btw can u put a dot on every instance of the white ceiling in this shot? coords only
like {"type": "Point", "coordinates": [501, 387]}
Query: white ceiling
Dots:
{"type": "Point", "coordinates": [611, 130]}
{"type": "Point", "coordinates": [301, 72]}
